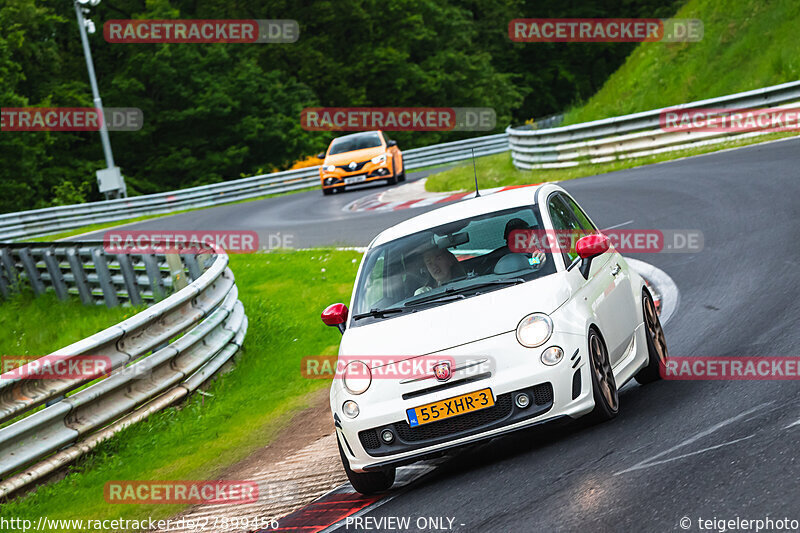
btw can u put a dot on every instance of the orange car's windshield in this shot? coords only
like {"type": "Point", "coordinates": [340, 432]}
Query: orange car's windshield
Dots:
{"type": "Point", "coordinates": [355, 142]}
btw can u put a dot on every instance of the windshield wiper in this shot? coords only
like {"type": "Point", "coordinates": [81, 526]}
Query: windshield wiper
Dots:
{"type": "Point", "coordinates": [453, 293]}
{"type": "Point", "coordinates": [506, 281]}
{"type": "Point", "coordinates": [447, 295]}
{"type": "Point", "coordinates": [380, 313]}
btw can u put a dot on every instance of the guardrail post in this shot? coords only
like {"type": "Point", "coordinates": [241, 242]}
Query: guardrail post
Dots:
{"type": "Point", "coordinates": [194, 268]}
{"type": "Point", "coordinates": [7, 265]}
{"type": "Point", "coordinates": [76, 267]}
{"type": "Point", "coordinates": [153, 275]}
{"type": "Point", "coordinates": [129, 276]}
{"type": "Point", "coordinates": [56, 278]}
{"type": "Point", "coordinates": [176, 269]}
{"type": "Point", "coordinates": [104, 277]}
{"type": "Point", "coordinates": [33, 273]}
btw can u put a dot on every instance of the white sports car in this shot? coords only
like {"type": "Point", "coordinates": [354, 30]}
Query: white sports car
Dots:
{"type": "Point", "coordinates": [457, 336]}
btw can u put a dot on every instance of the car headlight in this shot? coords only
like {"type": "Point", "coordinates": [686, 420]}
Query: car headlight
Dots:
{"type": "Point", "coordinates": [534, 330]}
{"type": "Point", "coordinates": [350, 409]}
{"type": "Point", "coordinates": [552, 356]}
{"type": "Point", "coordinates": [379, 159]}
{"type": "Point", "coordinates": [329, 168]}
{"type": "Point", "coordinates": [357, 377]}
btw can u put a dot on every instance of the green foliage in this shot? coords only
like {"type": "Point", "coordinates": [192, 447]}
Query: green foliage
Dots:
{"type": "Point", "coordinates": [747, 44]}
{"type": "Point", "coordinates": [39, 326]}
{"type": "Point", "coordinates": [215, 112]}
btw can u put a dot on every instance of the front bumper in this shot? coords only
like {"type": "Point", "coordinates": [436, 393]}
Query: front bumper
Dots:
{"type": "Point", "coordinates": [369, 171]}
{"type": "Point", "coordinates": [559, 391]}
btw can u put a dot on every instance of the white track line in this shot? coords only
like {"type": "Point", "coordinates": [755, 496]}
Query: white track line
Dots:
{"type": "Point", "coordinates": [652, 461]}
{"type": "Point", "coordinates": [615, 226]}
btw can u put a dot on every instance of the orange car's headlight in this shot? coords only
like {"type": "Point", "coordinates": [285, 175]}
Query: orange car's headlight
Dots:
{"type": "Point", "coordinates": [378, 160]}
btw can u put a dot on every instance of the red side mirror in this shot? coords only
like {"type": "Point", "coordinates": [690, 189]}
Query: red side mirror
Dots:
{"type": "Point", "coordinates": [335, 315]}
{"type": "Point", "coordinates": [592, 246]}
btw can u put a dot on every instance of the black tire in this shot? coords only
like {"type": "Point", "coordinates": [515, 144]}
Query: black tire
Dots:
{"type": "Point", "coordinates": [367, 483]}
{"type": "Point", "coordinates": [402, 175]}
{"type": "Point", "coordinates": [327, 192]}
{"type": "Point", "coordinates": [657, 353]}
{"type": "Point", "coordinates": [604, 386]}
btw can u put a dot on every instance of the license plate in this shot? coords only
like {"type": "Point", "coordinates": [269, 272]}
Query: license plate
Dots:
{"type": "Point", "coordinates": [355, 179]}
{"type": "Point", "coordinates": [458, 405]}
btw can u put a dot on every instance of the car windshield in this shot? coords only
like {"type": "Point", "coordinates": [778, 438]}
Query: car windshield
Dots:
{"type": "Point", "coordinates": [355, 142]}
{"type": "Point", "coordinates": [446, 263]}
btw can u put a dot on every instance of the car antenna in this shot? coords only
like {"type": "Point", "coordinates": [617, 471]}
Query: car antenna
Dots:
{"type": "Point", "coordinates": [475, 169]}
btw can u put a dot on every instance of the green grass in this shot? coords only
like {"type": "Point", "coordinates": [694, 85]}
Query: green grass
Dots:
{"type": "Point", "coordinates": [283, 294]}
{"type": "Point", "coordinates": [747, 44]}
{"type": "Point", "coordinates": [498, 170]}
{"type": "Point", "coordinates": [39, 326]}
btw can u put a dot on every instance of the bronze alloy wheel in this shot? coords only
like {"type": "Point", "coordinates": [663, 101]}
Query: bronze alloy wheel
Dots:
{"type": "Point", "coordinates": [654, 329]}
{"type": "Point", "coordinates": [603, 374]}
{"type": "Point", "coordinates": [657, 354]}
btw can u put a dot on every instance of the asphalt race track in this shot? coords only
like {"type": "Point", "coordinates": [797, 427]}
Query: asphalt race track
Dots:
{"type": "Point", "coordinates": [696, 449]}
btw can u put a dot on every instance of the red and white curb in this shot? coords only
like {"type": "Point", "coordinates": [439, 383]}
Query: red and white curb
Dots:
{"type": "Point", "coordinates": [377, 201]}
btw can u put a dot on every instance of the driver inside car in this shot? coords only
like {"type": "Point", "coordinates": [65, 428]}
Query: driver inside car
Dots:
{"type": "Point", "coordinates": [442, 265]}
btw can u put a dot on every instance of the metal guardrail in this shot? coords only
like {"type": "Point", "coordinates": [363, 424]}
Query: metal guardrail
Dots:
{"type": "Point", "coordinates": [87, 271]}
{"type": "Point", "coordinates": [158, 356]}
{"type": "Point", "coordinates": [633, 135]}
{"type": "Point", "coordinates": [38, 222]}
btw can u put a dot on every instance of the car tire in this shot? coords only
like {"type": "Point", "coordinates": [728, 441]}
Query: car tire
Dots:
{"type": "Point", "coordinates": [657, 353]}
{"type": "Point", "coordinates": [367, 483]}
{"type": "Point", "coordinates": [604, 386]}
{"type": "Point", "coordinates": [327, 192]}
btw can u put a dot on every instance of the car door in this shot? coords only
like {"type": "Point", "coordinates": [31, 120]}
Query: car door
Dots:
{"type": "Point", "coordinates": [608, 288]}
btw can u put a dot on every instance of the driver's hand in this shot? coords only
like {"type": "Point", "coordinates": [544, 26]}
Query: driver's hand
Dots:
{"type": "Point", "coordinates": [538, 258]}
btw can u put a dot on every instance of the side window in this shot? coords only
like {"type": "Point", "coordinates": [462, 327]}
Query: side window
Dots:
{"type": "Point", "coordinates": [579, 214]}
{"type": "Point", "coordinates": [566, 224]}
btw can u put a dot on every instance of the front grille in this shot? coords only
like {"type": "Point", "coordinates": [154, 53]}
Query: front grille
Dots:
{"type": "Point", "coordinates": [369, 439]}
{"type": "Point", "coordinates": [347, 168]}
{"type": "Point", "coordinates": [502, 413]}
{"type": "Point", "coordinates": [457, 424]}
{"type": "Point", "coordinates": [543, 394]}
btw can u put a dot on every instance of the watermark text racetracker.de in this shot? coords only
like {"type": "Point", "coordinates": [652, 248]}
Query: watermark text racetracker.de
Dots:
{"type": "Point", "coordinates": [54, 366]}
{"type": "Point", "coordinates": [755, 368]}
{"type": "Point", "coordinates": [606, 30]}
{"type": "Point", "coordinates": [144, 31]}
{"type": "Point", "coordinates": [625, 241]}
{"type": "Point", "coordinates": [777, 119]}
{"type": "Point", "coordinates": [192, 242]}
{"type": "Point", "coordinates": [405, 367]}
{"type": "Point", "coordinates": [181, 492]}
{"type": "Point", "coordinates": [70, 119]}
{"type": "Point", "coordinates": [398, 118]}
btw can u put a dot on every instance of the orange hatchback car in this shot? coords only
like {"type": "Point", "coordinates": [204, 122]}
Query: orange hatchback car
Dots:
{"type": "Point", "coordinates": [360, 158]}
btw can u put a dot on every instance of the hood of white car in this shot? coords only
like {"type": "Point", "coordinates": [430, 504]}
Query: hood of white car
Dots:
{"type": "Point", "coordinates": [445, 326]}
